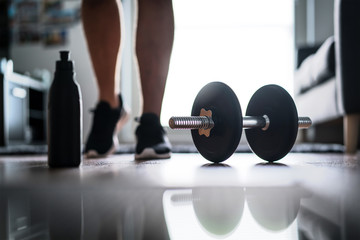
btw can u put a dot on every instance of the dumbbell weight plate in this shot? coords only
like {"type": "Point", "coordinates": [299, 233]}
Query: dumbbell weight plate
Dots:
{"type": "Point", "coordinates": [277, 141]}
{"type": "Point", "coordinates": [226, 114]}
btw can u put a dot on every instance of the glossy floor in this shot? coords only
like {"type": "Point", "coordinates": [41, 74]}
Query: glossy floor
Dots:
{"type": "Point", "coordinates": [304, 196]}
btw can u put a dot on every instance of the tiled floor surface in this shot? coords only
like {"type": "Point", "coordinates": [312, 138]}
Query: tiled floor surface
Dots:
{"type": "Point", "coordinates": [303, 196]}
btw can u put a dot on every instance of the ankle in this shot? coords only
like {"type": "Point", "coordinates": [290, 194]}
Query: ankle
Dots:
{"type": "Point", "coordinates": [113, 101]}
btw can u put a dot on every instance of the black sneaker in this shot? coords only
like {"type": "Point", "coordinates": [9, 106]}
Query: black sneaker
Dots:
{"type": "Point", "coordinates": [107, 121]}
{"type": "Point", "coordinates": [152, 142]}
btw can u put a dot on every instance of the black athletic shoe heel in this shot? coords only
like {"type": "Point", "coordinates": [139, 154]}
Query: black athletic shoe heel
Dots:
{"type": "Point", "coordinates": [152, 142]}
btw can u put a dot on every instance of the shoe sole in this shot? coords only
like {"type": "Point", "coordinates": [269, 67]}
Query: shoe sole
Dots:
{"type": "Point", "coordinates": [122, 121]}
{"type": "Point", "coordinates": [149, 153]}
{"type": "Point", "coordinates": [95, 154]}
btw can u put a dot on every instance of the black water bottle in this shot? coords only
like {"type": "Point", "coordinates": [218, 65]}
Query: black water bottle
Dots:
{"type": "Point", "coordinates": [64, 126]}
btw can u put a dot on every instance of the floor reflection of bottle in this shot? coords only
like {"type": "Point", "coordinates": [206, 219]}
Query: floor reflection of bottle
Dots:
{"type": "Point", "coordinates": [64, 116]}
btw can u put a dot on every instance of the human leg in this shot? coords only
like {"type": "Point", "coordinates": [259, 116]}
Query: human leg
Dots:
{"type": "Point", "coordinates": [102, 20]}
{"type": "Point", "coordinates": [154, 41]}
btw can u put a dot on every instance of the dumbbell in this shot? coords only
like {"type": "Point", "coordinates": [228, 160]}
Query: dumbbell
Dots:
{"type": "Point", "coordinates": [271, 123]}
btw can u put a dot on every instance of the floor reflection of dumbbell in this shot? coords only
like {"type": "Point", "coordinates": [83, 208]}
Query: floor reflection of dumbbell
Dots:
{"type": "Point", "coordinates": [271, 122]}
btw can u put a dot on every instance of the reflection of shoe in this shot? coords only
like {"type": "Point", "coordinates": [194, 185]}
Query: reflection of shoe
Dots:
{"type": "Point", "coordinates": [107, 121]}
{"type": "Point", "coordinates": [152, 142]}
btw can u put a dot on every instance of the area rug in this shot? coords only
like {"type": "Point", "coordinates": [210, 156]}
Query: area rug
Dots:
{"type": "Point", "coordinates": [177, 148]}
{"type": "Point", "coordinates": [298, 148]}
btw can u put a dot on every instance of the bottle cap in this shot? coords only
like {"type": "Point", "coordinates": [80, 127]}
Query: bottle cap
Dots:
{"type": "Point", "coordinates": [64, 55]}
{"type": "Point", "coordinates": [65, 64]}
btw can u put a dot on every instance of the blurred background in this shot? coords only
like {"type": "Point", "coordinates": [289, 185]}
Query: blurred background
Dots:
{"type": "Point", "coordinates": [244, 43]}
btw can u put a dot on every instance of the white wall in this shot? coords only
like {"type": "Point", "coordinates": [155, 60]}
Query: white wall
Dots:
{"type": "Point", "coordinates": [314, 21]}
{"type": "Point", "coordinates": [324, 19]}
{"type": "Point", "coordinates": [27, 57]}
